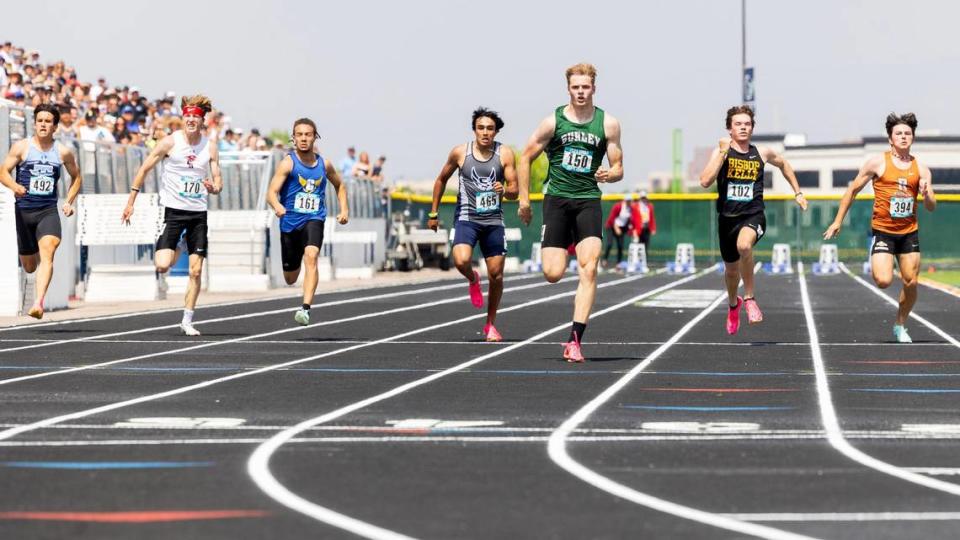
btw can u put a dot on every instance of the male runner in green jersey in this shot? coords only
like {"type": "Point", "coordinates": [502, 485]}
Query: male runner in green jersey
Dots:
{"type": "Point", "coordinates": [575, 136]}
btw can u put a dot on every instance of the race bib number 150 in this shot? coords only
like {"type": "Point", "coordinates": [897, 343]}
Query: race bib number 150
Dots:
{"type": "Point", "coordinates": [577, 160]}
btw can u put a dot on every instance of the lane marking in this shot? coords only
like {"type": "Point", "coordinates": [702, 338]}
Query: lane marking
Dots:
{"type": "Point", "coordinates": [158, 516]}
{"type": "Point", "coordinates": [243, 316]}
{"type": "Point", "coordinates": [706, 409]}
{"type": "Point", "coordinates": [903, 362]}
{"type": "Point", "coordinates": [258, 466]}
{"type": "Point", "coordinates": [105, 465]}
{"type": "Point", "coordinates": [908, 390]}
{"type": "Point", "coordinates": [12, 432]}
{"type": "Point", "coordinates": [292, 296]}
{"type": "Point", "coordinates": [275, 332]}
{"type": "Point", "coordinates": [718, 390]}
{"type": "Point", "coordinates": [556, 448]}
{"type": "Point", "coordinates": [936, 329]}
{"type": "Point", "coordinates": [828, 414]}
{"type": "Point", "coordinates": [850, 516]}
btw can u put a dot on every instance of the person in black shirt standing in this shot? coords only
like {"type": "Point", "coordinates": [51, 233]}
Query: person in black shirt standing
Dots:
{"type": "Point", "coordinates": [737, 167]}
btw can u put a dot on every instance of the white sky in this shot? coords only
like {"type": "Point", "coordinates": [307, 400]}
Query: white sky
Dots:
{"type": "Point", "coordinates": [401, 78]}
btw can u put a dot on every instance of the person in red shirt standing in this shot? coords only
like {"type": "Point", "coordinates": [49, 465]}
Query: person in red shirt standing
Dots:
{"type": "Point", "coordinates": [624, 218]}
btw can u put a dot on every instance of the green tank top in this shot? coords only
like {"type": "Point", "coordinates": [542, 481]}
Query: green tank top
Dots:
{"type": "Point", "coordinates": [575, 153]}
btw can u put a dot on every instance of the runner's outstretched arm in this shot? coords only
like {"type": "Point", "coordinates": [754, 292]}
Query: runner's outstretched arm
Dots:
{"type": "Point", "coordinates": [508, 160]}
{"type": "Point", "coordinates": [9, 163]}
{"type": "Point", "coordinates": [159, 152]}
{"type": "Point", "coordinates": [276, 183]}
{"type": "Point", "coordinates": [772, 157]}
{"type": "Point", "coordinates": [334, 176]}
{"type": "Point", "coordinates": [866, 175]}
{"type": "Point", "coordinates": [535, 146]}
{"type": "Point", "coordinates": [611, 128]}
{"type": "Point", "coordinates": [926, 189]}
{"type": "Point", "coordinates": [440, 184]}
{"type": "Point", "coordinates": [70, 163]}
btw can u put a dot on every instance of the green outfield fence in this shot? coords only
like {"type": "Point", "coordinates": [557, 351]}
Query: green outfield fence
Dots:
{"type": "Point", "coordinates": [692, 218]}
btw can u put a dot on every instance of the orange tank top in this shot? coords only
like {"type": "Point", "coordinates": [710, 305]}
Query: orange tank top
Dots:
{"type": "Point", "coordinates": [895, 198]}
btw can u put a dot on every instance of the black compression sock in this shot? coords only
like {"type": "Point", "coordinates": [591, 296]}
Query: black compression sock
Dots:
{"type": "Point", "coordinates": [306, 307]}
{"type": "Point", "coordinates": [576, 331]}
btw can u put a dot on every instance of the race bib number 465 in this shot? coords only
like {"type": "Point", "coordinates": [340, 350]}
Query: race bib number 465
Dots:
{"type": "Point", "coordinates": [306, 203]}
{"type": "Point", "coordinates": [191, 187]}
{"type": "Point", "coordinates": [577, 160]}
{"type": "Point", "coordinates": [901, 207]}
{"type": "Point", "coordinates": [740, 192]}
{"type": "Point", "coordinates": [40, 185]}
{"type": "Point", "coordinates": [487, 202]}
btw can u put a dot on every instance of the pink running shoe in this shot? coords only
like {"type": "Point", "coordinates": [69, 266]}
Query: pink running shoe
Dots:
{"type": "Point", "coordinates": [733, 317]}
{"type": "Point", "coordinates": [571, 351]}
{"type": "Point", "coordinates": [490, 333]}
{"type": "Point", "coordinates": [476, 295]}
{"type": "Point", "coordinates": [754, 315]}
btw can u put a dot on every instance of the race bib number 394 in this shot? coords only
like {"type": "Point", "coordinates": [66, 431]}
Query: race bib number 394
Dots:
{"type": "Point", "coordinates": [901, 207]}
{"type": "Point", "coordinates": [191, 187]}
{"type": "Point", "coordinates": [487, 202]}
{"type": "Point", "coordinates": [306, 203]}
{"type": "Point", "coordinates": [40, 185]}
{"type": "Point", "coordinates": [577, 160]}
{"type": "Point", "coordinates": [740, 192]}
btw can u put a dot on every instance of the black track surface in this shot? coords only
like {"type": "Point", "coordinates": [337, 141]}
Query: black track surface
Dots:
{"type": "Point", "coordinates": [729, 425]}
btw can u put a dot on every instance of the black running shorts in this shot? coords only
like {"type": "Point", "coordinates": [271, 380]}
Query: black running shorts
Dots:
{"type": "Point", "coordinates": [33, 224]}
{"type": "Point", "coordinates": [729, 227]}
{"type": "Point", "coordinates": [568, 221]}
{"type": "Point", "coordinates": [175, 221]}
{"type": "Point", "coordinates": [295, 242]}
{"type": "Point", "coordinates": [895, 244]}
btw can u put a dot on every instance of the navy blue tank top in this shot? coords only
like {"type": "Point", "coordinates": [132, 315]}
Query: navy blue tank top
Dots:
{"type": "Point", "coordinates": [39, 173]}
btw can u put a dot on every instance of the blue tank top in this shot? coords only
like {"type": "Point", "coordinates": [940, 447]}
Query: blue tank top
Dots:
{"type": "Point", "coordinates": [39, 173]}
{"type": "Point", "coordinates": [303, 194]}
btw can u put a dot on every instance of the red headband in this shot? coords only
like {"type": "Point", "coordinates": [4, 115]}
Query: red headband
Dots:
{"type": "Point", "coordinates": [193, 110]}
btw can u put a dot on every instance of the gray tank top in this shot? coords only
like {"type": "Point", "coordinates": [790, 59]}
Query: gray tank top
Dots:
{"type": "Point", "coordinates": [477, 202]}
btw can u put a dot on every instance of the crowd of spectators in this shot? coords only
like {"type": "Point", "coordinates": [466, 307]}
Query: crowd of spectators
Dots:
{"type": "Point", "coordinates": [98, 111]}
{"type": "Point", "coordinates": [360, 166]}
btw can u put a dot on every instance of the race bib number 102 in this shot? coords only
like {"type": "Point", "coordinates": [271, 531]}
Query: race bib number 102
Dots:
{"type": "Point", "coordinates": [740, 192]}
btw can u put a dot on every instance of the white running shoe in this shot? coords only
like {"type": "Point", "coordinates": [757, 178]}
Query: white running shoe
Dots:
{"type": "Point", "coordinates": [900, 334]}
{"type": "Point", "coordinates": [189, 330]}
{"type": "Point", "coordinates": [302, 317]}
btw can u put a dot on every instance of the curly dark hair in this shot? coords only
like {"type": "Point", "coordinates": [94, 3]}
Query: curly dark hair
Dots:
{"type": "Point", "coordinates": [484, 112]}
{"type": "Point", "coordinates": [740, 109]}
{"type": "Point", "coordinates": [50, 108]}
{"type": "Point", "coordinates": [908, 119]}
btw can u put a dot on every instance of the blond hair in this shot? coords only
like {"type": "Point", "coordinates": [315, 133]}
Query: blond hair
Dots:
{"type": "Point", "coordinates": [198, 100]}
{"type": "Point", "coordinates": [582, 69]}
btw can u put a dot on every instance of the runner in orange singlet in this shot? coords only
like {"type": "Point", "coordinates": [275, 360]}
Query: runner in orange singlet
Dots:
{"type": "Point", "coordinates": [897, 179]}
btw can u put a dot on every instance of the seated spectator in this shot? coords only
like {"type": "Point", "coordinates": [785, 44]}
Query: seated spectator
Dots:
{"type": "Point", "coordinates": [362, 168]}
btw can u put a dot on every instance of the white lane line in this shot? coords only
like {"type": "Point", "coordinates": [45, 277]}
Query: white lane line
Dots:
{"type": "Point", "coordinates": [12, 432]}
{"type": "Point", "coordinates": [850, 516]}
{"type": "Point", "coordinates": [557, 450]}
{"type": "Point", "coordinates": [244, 316]}
{"type": "Point", "coordinates": [293, 294]}
{"type": "Point", "coordinates": [828, 414]}
{"type": "Point", "coordinates": [274, 333]}
{"type": "Point", "coordinates": [258, 466]}
{"type": "Point", "coordinates": [950, 339]}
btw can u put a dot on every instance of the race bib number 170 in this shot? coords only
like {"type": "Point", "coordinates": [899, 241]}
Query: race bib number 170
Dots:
{"type": "Point", "coordinates": [191, 187]}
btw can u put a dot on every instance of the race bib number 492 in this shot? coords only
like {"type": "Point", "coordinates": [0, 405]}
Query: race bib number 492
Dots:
{"type": "Point", "coordinates": [740, 192]}
{"type": "Point", "coordinates": [40, 185]}
{"type": "Point", "coordinates": [487, 202]}
{"type": "Point", "coordinates": [577, 160]}
{"type": "Point", "coordinates": [306, 203]}
{"type": "Point", "coordinates": [901, 207]}
{"type": "Point", "coordinates": [191, 187]}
